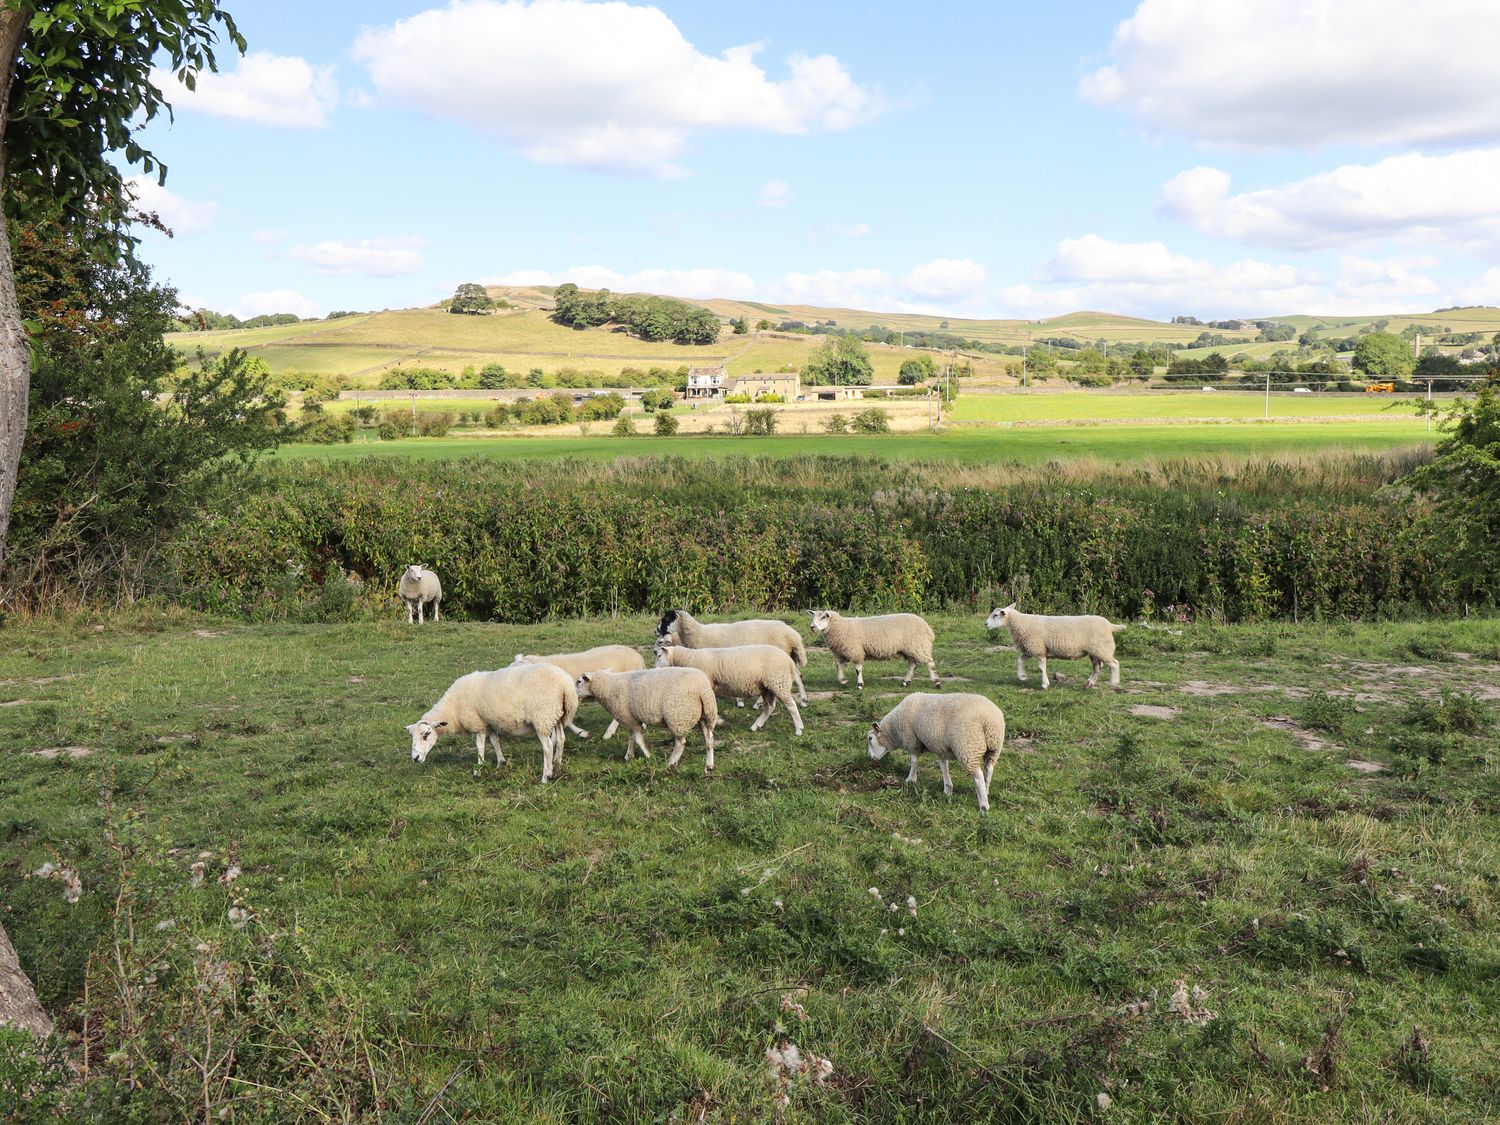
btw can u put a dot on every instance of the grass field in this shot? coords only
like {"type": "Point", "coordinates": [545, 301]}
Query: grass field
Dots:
{"type": "Point", "coordinates": [1257, 884]}
{"type": "Point", "coordinates": [972, 445]}
{"type": "Point", "coordinates": [1101, 406]}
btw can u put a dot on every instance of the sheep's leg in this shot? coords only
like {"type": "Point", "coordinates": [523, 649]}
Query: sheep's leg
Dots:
{"type": "Point", "coordinates": [1097, 664]}
{"type": "Point", "coordinates": [911, 670]}
{"type": "Point", "coordinates": [708, 746]}
{"type": "Point", "coordinates": [738, 702]}
{"type": "Point", "coordinates": [1114, 672]}
{"type": "Point", "coordinates": [839, 666]}
{"type": "Point", "coordinates": [578, 730]}
{"type": "Point", "coordinates": [790, 704]}
{"type": "Point", "coordinates": [989, 771]}
{"type": "Point", "coordinates": [911, 775]}
{"type": "Point", "coordinates": [859, 675]}
{"type": "Point", "coordinates": [679, 744]}
{"type": "Point", "coordinates": [947, 777]}
{"type": "Point", "coordinates": [437, 611]}
{"type": "Point", "coordinates": [801, 691]}
{"type": "Point", "coordinates": [411, 618]}
{"type": "Point", "coordinates": [765, 710]}
{"type": "Point", "coordinates": [609, 731]}
{"type": "Point", "coordinates": [495, 746]}
{"type": "Point", "coordinates": [546, 741]}
{"type": "Point", "coordinates": [479, 745]}
{"type": "Point", "coordinates": [637, 738]}
{"type": "Point", "coordinates": [1020, 666]}
{"type": "Point", "coordinates": [932, 671]}
{"type": "Point", "coordinates": [981, 788]}
{"type": "Point", "coordinates": [1041, 663]}
{"type": "Point", "coordinates": [421, 612]}
{"type": "Point", "coordinates": [559, 742]}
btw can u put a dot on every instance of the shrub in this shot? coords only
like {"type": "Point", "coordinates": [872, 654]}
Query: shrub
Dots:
{"type": "Point", "coordinates": [624, 426]}
{"type": "Point", "coordinates": [329, 431]}
{"type": "Point", "coordinates": [835, 424]}
{"type": "Point", "coordinates": [762, 422]}
{"type": "Point", "coordinates": [435, 425]}
{"type": "Point", "coordinates": [736, 398]}
{"type": "Point", "coordinates": [666, 425]}
{"type": "Point", "coordinates": [872, 421]}
{"type": "Point", "coordinates": [391, 431]}
{"type": "Point", "coordinates": [770, 396]}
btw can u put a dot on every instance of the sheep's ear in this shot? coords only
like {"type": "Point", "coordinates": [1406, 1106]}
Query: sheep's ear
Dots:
{"type": "Point", "coordinates": [875, 728]}
{"type": "Point", "coordinates": [1010, 608]}
{"type": "Point", "coordinates": [441, 725]}
{"type": "Point", "coordinates": [411, 728]}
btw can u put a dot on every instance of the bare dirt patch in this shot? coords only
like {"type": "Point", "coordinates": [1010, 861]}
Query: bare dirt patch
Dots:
{"type": "Point", "coordinates": [1154, 711]}
{"type": "Point", "coordinates": [15, 703]}
{"type": "Point", "coordinates": [1204, 688]}
{"type": "Point", "coordinates": [52, 753]}
{"type": "Point", "coordinates": [820, 696]}
{"type": "Point", "coordinates": [1309, 739]}
{"type": "Point", "coordinates": [41, 680]}
{"type": "Point", "coordinates": [1362, 766]}
{"type": "Point", "coordinates": [210, 634]}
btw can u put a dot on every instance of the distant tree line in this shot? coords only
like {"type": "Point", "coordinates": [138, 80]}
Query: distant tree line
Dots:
{"type": "Point", "coordinates": [496, 377]}
{"type": "Point", "coordinates": [643, 316]}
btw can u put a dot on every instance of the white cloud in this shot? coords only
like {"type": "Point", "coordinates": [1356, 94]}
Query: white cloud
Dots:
{"type": "Point", "coordinates": [854, 230]}
{"type": "Point", "coordinates": [270, 236]}
{"type": "Point", "coordinates": [1266, 74]}
{"type": "Point", "coordinates": [775, 193]}
{"type": "Point", "coordinates": [598, 85]}
{"type": "Point", "coordinates": [276, 301]}
{"type": "Point", "coordinates": [377, 257]}
{"type": "Point", "coordinates": [1411, 197]}
{"type": "Point", "coordinates": [947, 279]}
{"type": "Point", "coordinates": [182, 216]}
{"type": "Point", "coordinates": [266, 89]}
{"type": "Point", "coordinates": [1149, 279]}
{"type": "Point", "coordinates": [944, 285]}
{"type": "Point", "coordinates": [1483, 290]}
{"type": "Point", "coordinates": [700, 283]}
{"type": "Point", "coordinates": [849, 289]}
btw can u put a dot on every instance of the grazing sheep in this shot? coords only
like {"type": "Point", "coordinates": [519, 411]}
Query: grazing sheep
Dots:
{"type": "Point", "coordinates": [1067, 638]}
{"type": "Point", "coordinates": [853, 640]}
{"type": "Point", "coordinates": [679, 627]}
{"type": "Point", "coordinates": [417, 587]}
{"type": "Point", "coordinates": [605, 658]}
{"type": "Point", "coordinates": [676, 698]}
{"type": "Point", "coordinates": [967, 729]}
{"type": "Point", "coordinates": [763, 671]}
{"type": "Point", "coordinates": [536, 699]}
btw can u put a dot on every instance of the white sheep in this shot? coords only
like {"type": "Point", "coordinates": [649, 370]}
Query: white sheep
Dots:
{"type": "Point", "coordinates": [605, 658]}
{"type": "Point", "coordinates": [676, 698]}
{"type": "Point", "coordinates": [853, 640]}
{"type": "Point", "coordinates": [1067, 638]}
{"type": "Point", "coordinates": [761, 671]}
{"type": "Point", "coordinates": [963, 728]}
{"type": "Point", "coordinates": [535, 699]}
{"type": "Point", "coordinates": [418, 586]}
{"type": "Point", "coordinates": [679, 627]}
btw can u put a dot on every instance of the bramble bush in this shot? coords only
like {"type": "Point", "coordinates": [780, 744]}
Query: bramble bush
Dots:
{"type": "Point", "coordinates": [521, 542]}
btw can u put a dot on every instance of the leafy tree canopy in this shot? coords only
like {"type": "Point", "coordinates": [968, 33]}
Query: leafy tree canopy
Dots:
{"type": "Point", "coordinates": [1383, 356]}
{"type": "Point", "coordinates": [839, 361]}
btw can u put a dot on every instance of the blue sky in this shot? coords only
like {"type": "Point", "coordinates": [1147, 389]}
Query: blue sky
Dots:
{"type": "Point", "coordinates": [1158, 157]}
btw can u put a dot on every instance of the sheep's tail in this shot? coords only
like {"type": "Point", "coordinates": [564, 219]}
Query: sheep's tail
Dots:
{"type": "Point", "coordinates": [799, 653]}
{"type": "Point", "coordinates": [994, 734]}
{"type": "Point", "coordinates": [710, 708]}
{"type": "Point", "coordinates": [1113, 628]}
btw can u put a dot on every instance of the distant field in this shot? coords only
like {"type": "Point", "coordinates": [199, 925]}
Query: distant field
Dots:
{"type": "Point", "coordinates": [1084, 405]}
{"type": "Point", "coordinates": [1040, 444]}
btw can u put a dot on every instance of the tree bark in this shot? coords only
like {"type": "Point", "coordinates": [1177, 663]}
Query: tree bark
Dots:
{"type": "Point", "coordinates": [19, 1006]}
{"type": "Point", "coordinates": [15, 353]}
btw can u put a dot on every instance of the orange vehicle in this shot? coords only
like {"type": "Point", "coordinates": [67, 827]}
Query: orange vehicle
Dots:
{"type": "Point", "coordinates": [1381, 389]}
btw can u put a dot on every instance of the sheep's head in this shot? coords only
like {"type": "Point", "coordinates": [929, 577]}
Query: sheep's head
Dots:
{"type": "Point", "coordinates": [659, 650]}
{"type": "Point", "coordinates": [1000, 618]}
{"type": "Point", "coordinates": [668, 620]}
{"type": "Point", "coordinates": [820, 620]}
{"type": "Point", "coordinates": [424, 736]}
{"type": "Point", "coordinates": [876, 742]}
{"type": "Point", "coordinates": [584, 686]}
{"type": "Point", "coordinates": [414, 572]}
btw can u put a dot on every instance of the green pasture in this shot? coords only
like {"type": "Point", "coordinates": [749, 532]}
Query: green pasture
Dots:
{"type": "Point", "coordinates": [976, 445]}
{"type": "Point", "coordinates": [1255, 884]}
{"type": "Point", "coordinates": [1238, 405]}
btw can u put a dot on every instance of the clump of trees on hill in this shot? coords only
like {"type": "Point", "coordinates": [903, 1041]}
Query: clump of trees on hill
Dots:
{"type": "Point", "coordinates": [643, 316]}
{"type": "Point", "coordinates": [495, 377]}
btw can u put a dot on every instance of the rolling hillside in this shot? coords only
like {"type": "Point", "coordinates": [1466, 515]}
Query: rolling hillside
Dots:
{"type": "Point", "coordinates": [523, 337]}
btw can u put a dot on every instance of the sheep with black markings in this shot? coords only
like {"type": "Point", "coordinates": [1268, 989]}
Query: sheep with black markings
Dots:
{"type": "Point", "coordinates": [679, 627]}
{"type": "Point", "coordinates": [761, 671]}
{"type": "Point", "coordinates": [963, 728]}
{"type": "Point", "coordinates": [676, 698]}
{"type": "Point", "coordinates": [604, 658]}
{"type": "Point", "coordinates": [418, 588]}
{"type": "Point", "coordinates": [1067, 638]}
{"type": "Point", "coordinates": [534, 699]}
{"type": "Point", "coordinates": [853, 640]}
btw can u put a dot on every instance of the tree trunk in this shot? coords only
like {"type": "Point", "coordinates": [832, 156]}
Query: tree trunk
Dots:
{"type": "Point", "coordinates": [19, 1006]}
{"type": "Point", "coordinates": [15, 354]}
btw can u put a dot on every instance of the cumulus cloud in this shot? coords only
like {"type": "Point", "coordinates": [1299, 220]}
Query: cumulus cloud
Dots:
{"type": "Point", "coordinates": [1263, 74]}
{"type": "Point", "coordinates": [775, 193]}
{"type": "Point", "coordinates": [275, 301]}
{"type": "Point", "coordinates": [947, 279]}
{"type": "Point", "coordinates": [850, 289]}
{"type": "Point", "coordinates": [1149, 279]}
{"type": "Point", "coordinates": [1411, 197]}
{"type": "Point", "coordinates": [612, 86]}
{"type": "Point", "coordinates": [376, 257]}
{"type": "Point", "coordinates": [266, 89]}
{"type": "Point", "coordinates": [182, 216]}
{"type": "Point", "coordinates": [701, 283]}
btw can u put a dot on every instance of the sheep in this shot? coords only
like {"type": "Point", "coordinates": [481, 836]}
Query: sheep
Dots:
{"type": "Point", "coordinates": [535, 699]}
{"type": "Point", "coordinates": [417, 587]}
{"type": "Point", "coordinates": [608, 658]}
{"type": "Point", "coordinates": [763, 671]}
{"type": "Point", "coordinates": [676, 698]}
{"type": "Point", "coordinates": [965, 728]}
{"type": "Point", "coordinates": [1067, 638]}
{"type": "Point", "coordinates": [679, 627]}
{"type": "Point", "coordinates": [853, 640]}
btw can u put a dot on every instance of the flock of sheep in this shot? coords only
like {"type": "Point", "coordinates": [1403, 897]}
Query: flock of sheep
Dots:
{"type": "Point", "coordinates": [696, 664]}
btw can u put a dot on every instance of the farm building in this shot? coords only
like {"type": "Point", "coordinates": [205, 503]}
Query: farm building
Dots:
{"type": "Point", "coordinates": [706, 382]}
{"type": "Point", "coordinates": [787, 384]}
